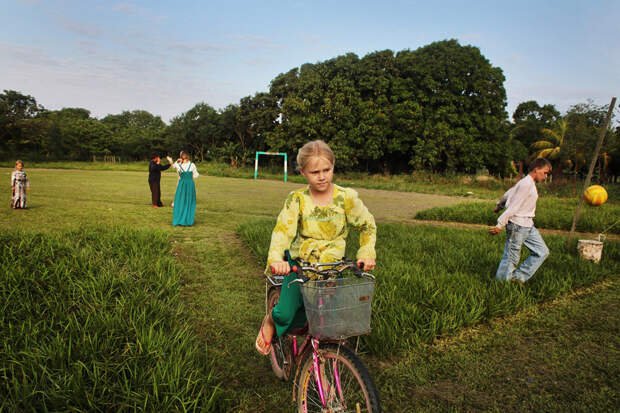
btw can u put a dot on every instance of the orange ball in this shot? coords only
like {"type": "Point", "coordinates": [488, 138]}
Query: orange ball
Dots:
{"type": "Point", "coordinates": [595, 195]}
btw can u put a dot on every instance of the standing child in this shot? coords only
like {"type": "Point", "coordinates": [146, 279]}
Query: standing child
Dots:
{"type": "Point", "coordinates": [19, 185]}
{"type": "Point", "coordinates": [185, 196]}
{"type": "Point", "coordinates": [518, 219]}
{"type": "Point", "coordinates": [313, 225]}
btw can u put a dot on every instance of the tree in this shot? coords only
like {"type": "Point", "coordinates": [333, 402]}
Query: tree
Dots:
{"type": "Point", "coordinates": [17, 131]}
{"type": "Point", "coordinates": [614, 153]}
{"type": "Point", "coordinates": [552, 146]}
{"type": "Point", "coordinates": [136, 134]}
{"type": "Point", "coordinates": [244, 127]}
{"type": "Point", "coordinates": [440, 107]}
{"type": "Point", "coordinates": [463, 100]}
{"type": "Point", "coordinates": [530, 119]}
{"type": "Point", "coordinates": [585, 121]}
{"type": "Point", "coordinates": [197, 131]}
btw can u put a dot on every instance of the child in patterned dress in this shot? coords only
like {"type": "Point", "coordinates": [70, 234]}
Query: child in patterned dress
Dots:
{"type": "Point", "coordinates": [19, 185]}
{"type": "Point", "coordinates": [313, 226]}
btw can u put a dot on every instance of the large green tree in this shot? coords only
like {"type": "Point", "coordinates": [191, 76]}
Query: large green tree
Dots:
{"type": "Point", "coordinates": [440, 107]}
{"type": "Point", "coordinates": [135, 134]}
{"type": "Point", "coordinates": [196, 131]}
{"type": "Point", "coordinates": [243, 127]}
{"type": "Point", "coordinates": [530, 119]}
{"type": "Point", "coordinates": [463, 102]}
{"type": "Point", "coordinates": [19, 133]}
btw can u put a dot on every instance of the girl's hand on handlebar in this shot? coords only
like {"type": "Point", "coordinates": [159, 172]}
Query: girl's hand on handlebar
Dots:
{"type": "Point", "coordinates": [366, 264]}
{"type": "Point", "coordinates": [280, 268]}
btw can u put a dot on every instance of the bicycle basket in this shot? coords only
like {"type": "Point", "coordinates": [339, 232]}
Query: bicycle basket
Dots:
{"type": "Point", "coordinates": [338, 308]}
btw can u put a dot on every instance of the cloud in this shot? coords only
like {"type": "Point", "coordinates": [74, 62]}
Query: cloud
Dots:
{"type": "Point", "coordinates": [106, 83]}
{"type": "Point", "coordinates": [87, 29]}
{"type": "Point", "coordinates": [254, 42]}
{"type": "Point", "coordinates": [21, 54]}
{"type": "Point", "coordinates": [128, 8]}
{"type": "Point", "coordinates": [259, 61]}
{"type": "Point", "coordinates": [138, 11]}
{"type": "Point", "coordinates": [195, 47]}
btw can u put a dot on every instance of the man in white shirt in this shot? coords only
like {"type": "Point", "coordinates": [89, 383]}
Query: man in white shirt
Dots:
{"type": "Point", "coordinates": [520, 204]}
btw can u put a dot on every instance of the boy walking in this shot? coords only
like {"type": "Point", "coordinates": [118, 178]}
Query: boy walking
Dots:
{"type": "Point", "coordinates": [520, 204]}
{"type": "Point", "coordinates": [155, 169]}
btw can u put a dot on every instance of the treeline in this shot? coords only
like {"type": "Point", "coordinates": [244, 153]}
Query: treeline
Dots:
{"type": "Point", "coordinates": [439, 108]}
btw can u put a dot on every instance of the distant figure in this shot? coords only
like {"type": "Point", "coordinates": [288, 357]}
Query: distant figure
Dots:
{"type": "Point", "coordinates": [19, 185]}
{"type": "Point", "coordinates": [155, 168]}
{"type": "Point", "coordinates": [520, 204]}
{"type": "Point", "coordinates": [185, 196]}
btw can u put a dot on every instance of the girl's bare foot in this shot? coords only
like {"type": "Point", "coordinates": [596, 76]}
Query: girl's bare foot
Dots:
{"type": "Point", "coordinates": [265, 334]}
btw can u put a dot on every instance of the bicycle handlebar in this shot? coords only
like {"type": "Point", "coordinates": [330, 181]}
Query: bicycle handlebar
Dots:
{"type": "Point", "coordinates": [334, 269]}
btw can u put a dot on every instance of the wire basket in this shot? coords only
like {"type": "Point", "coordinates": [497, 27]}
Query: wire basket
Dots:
{"type": "Point", "coordinates": [338, 308]}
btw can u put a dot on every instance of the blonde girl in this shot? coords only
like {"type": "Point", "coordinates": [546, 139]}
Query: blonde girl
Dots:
{"type": "Point", "coordinates": [313, 225]}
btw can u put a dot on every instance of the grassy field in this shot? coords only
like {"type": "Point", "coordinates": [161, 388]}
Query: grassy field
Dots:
{"type": "Point", "coordinates": [551, 213]}
{"type": "Point", "coordinates": [215, 292]}
{"type": "Point", "coordinates": [459, 185]}
{"type": "Point", "coordinates": [562, 356]}
{"type": "Point", "coordinates": [92, 320]}
{"type": "Point", "coordinates": [433, 281]}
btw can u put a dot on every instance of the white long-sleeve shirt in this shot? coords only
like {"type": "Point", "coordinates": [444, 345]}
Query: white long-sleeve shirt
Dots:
{"type": "Point", "coordinates": [520, 203]}
{"type": "Point", "coordinates": [184, 167]}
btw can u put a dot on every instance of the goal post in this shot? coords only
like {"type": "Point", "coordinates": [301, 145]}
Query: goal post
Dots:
{"type": "Point", "coordinates": [270, 153]}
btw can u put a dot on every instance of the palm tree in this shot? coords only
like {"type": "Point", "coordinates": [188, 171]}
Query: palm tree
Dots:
{"type": "Point", "coordinates": [552, 146]}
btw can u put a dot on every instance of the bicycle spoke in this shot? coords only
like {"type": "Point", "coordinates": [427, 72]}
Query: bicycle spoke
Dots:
{"type": "Point", "coordinates": [343, 386]}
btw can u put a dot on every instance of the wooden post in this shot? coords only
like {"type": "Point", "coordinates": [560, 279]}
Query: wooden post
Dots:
{"type": "Point", "coordinates": [586, 183]}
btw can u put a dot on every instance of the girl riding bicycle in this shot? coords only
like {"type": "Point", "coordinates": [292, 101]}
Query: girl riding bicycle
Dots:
{"type": "Point", "coordinates": [313, 225]}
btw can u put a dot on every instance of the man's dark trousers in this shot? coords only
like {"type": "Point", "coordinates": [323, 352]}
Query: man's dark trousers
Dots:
{"type": "Point", "coordinates": [155, 193]}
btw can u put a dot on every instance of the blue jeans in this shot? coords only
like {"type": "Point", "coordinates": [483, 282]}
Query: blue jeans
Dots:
{"type": "Point", "coordinates": [516, 236]}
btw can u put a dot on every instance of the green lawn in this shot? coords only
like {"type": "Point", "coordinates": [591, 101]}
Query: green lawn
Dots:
{"type": "Point", "coordinates": [209, 294]}
{"type": "Point", "coordinates": [551, 213]}
{"type": "Point", "coordinates": [434, 281]}
{"type": "Point", "coordinates": [449, 184]}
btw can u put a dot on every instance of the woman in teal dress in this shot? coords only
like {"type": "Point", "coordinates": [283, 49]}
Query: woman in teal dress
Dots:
{"type": "Point", "coordinates": [185, 196]}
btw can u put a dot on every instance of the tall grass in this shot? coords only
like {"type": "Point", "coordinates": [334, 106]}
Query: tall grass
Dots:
{"type": "Point", "coordinates": [434, 281]}
{"type": "Point", "coordinates": [92, 321]}
{"type": "Point", "coordinates": [551, 213]}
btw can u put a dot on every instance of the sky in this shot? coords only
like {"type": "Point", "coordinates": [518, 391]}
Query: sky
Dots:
{"type": "Point", "coordinates": [166, 56]}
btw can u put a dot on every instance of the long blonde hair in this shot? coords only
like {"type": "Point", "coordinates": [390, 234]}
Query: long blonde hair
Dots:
{"type": "Point", "coordinates": [314, 148]}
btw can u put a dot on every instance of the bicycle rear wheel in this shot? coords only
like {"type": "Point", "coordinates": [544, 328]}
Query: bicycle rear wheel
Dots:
{"type": "Point", "coordinates": [281, 355]}
{"type": "Point", "coordinates": [347, 385]}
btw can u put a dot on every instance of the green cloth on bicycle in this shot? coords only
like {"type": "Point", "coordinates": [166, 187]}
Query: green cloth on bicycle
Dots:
{"type": "Point", "coordinates": [289, 312]}
{"type": "Point", "coordinates": [315, 233]}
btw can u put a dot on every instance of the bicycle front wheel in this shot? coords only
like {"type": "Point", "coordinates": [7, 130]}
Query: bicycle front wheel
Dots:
{"type": "Point", "coordinates": [345, 382]}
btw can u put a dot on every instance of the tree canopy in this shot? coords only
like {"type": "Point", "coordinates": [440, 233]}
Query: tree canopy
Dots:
{"type": "Point", "coordinates": [441, 108]}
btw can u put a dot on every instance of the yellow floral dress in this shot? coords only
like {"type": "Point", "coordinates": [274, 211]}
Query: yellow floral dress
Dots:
{"type": "Point", "coordinates": [316, 234]}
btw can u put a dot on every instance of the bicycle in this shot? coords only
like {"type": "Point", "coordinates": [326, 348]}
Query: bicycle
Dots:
{"type": "Point", "coordinates": [329, 377]}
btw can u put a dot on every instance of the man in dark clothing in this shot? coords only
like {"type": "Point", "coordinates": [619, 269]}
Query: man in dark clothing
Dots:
{"type": "Point", "coordinates": [155, 169]}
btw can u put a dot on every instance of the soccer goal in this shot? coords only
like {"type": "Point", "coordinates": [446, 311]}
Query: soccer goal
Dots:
{"type": "Point", "coordinates": [270, 153]}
